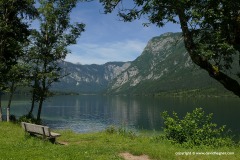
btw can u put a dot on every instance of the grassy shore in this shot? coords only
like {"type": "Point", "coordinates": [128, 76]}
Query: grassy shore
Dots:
{"type": "Point", "coordinates": [15, 144]}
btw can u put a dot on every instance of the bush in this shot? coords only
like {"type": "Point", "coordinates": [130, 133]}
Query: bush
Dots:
{"type": "Point", "coordinates": [195, 129]}
{"type": "Point", "coordinates": [28, 118]}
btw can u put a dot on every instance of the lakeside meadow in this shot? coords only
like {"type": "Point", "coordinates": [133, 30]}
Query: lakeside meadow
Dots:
{"type": "Point", "coordinates": [105, 145]}
{"type": "Point", "coordinates": [125, 92]}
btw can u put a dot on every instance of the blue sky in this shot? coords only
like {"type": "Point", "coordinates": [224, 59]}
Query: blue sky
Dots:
{"type": "Point", "coordinates": [107, 38]}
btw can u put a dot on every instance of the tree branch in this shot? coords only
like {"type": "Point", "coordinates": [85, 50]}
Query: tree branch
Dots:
{"type": "Point", "coordinates": [228, 82]}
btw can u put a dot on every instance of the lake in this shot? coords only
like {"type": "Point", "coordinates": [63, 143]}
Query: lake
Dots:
{"type": "Point", "coordinates": [90, 113]}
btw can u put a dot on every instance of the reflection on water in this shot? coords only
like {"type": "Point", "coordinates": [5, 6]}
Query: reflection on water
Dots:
{"type": "Point", "coordinates": [89, 113]}
{"type": "Point", "coordinates": [93, 113]}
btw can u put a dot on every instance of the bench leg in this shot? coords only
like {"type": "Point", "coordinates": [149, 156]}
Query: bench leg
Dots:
{"type": "Point", "coordinates": [52, 140]}
{"type": "Point", "coordinates": [32, 134]}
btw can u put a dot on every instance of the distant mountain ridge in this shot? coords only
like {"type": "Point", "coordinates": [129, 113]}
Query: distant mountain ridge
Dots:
{"type": "Point", "coordinates": [163, 66]}
{"type": "Point", "coordinates": [89, 78]}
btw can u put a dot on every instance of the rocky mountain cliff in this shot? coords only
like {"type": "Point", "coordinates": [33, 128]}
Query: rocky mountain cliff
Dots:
{"type": "Point", "coordinates": [163, 66]}
{"type": "Point", "coordinates": [89, 78]}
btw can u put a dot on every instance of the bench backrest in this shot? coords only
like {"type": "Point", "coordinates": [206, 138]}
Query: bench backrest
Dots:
{"type": "Point", "coordinates": [38, 129]}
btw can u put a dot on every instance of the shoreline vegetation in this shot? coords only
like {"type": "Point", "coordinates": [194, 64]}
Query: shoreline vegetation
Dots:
{"type": "Point", "coordinates": [109, 144]}
{"type": "Point", "coordinates": [201, 93]}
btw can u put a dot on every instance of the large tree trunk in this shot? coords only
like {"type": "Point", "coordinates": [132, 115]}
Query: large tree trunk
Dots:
{"type": "Point", "coordinates": [229, 83]}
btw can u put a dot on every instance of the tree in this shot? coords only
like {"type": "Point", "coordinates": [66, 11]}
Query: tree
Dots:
{"type": "Point", "coordinates": [13, 32]}
{"type": "Point", "coordinates": [16, 77]}
{"type": "Point", "coordinates": [210, 28]}
{"type": "Point", "coordinates": [49, 46]}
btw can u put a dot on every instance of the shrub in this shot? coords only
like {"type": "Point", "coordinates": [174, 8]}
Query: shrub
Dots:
{"type": "Point", "coordinates": [28, 118]}
{"type": "Point", "coordinates": [195, 129]}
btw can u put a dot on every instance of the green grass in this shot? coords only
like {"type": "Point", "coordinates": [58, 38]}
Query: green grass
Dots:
{"type": "Point", "coordinates": [15, 144]}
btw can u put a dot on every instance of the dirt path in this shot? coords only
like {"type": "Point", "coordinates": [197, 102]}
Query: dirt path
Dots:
{"type": "Point", "coordinates": [129, 156]}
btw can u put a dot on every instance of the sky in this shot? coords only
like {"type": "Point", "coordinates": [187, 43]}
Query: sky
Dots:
{"type": "Point", "coordinates": [107, 38]}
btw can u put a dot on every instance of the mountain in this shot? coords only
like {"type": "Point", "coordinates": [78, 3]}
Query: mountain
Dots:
{"type": "Point", "coordinates": [88, 78]}
{"type": "Point", "coordinates": [163, 66]}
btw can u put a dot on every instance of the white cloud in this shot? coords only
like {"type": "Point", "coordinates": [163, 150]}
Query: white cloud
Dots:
{"type": "Point", "coordinates": [87, 53]}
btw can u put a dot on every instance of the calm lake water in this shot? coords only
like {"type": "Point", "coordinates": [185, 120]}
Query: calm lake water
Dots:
{"type": "Point", "coordinates": [89, 113]}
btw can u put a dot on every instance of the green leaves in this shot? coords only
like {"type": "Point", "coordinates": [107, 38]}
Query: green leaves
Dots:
{"type": "Point", "coordinates": [75, 32]}
{"type": "Point", "coordinates": [194, 129]}
{"type": "Point", "coordinates": [13, 33]}
{"type": "Point", "coordinates": [109, 5]}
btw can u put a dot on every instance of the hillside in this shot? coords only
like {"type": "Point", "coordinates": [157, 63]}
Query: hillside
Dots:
{"type": "Point", "coordinates": [163, 66]}
{"type": "Point", "coordinates": [88, 78]}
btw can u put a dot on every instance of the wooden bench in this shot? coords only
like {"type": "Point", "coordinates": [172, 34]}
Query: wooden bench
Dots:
{"type": "Point", "coordinates": [43, 131]}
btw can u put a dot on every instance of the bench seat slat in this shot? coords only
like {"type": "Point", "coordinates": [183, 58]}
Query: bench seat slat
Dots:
{"type": "Point", "coordinates": [53, 134]}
